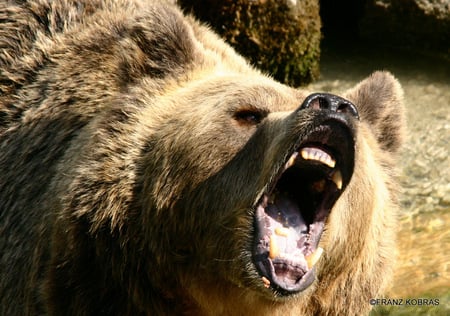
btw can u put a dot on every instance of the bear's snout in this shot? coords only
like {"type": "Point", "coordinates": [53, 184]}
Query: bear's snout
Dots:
{"type": "Point", "coordinates": [291, 215]}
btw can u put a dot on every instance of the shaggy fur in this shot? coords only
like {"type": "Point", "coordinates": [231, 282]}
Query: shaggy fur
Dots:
{"type": "Point", "coordinates": [128, 172]}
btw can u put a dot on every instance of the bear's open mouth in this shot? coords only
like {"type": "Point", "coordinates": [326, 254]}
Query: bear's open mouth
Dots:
{"type": "Point", "coordinates": [291, 215]}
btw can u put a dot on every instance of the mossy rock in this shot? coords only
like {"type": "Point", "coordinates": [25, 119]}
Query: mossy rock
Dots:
{"type": "Point", "coordinates": [279, 37]}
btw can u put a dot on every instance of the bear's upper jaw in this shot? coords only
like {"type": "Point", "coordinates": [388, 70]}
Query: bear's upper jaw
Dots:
{"type": "Point", "coordinates": [291, 215]}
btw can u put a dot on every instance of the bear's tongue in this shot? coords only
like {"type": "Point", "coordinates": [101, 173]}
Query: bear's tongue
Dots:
{"type": "Point", "coordinates": [291, 241]}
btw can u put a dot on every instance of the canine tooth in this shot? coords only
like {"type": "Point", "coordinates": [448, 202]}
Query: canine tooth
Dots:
{"type": "Point", "coordinates": [312, 259]}
{"type": "Point", "coordinates": [266, 282]}
{"type": "Point", "coordinates": [282, 231]}
{"type": "Point", "coordinates": [291, 160]}
{"type": "Point", "coordinates": [337, 179]}
{"type": "Point", "coordinates": [274, 251]}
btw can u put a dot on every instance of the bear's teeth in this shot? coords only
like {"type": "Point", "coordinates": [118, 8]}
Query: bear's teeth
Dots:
{"type": "Point", "coordinates": [282, 231]}
{"type": "Point", "coordinates": [291, 160]}
{"type": "Point", "coordinates": [266, 282]}
{"type": "Point", "coordinates": [337, 179]}
{"type": "Point", "coordinates": [274, 251]}
{"type": "Point", "coordinates": [312, 258]}
{"type": "Point", "coordinates": [316, 154]}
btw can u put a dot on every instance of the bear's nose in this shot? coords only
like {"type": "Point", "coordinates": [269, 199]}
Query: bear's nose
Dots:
{"type": "Point", "coordinates": [331, 102]}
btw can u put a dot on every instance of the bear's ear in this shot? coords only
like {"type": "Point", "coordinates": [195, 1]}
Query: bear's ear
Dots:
{"type": "Point", "coordinates": [379, 100]}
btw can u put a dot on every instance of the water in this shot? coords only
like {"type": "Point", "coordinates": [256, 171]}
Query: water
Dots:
{"type": "Point", "coordinates": [423, 268]}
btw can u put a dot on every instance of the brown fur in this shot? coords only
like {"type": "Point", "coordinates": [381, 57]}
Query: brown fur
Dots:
{"type": "Point", "coordinates": [127, 183]}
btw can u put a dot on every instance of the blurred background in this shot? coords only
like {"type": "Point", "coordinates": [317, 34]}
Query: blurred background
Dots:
{"type": "Point", "coordinates": [331, 45]}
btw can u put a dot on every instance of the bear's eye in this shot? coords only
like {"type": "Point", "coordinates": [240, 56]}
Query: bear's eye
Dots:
{"type": "Point", "coordinates": [249, 116]}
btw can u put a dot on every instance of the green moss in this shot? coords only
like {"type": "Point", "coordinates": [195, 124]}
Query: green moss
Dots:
{"type": "Point", "coordinates": [281, 40]}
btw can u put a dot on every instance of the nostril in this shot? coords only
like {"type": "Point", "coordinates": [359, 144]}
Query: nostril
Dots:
{"type": "Point", "coordinates": [324, 103]}
{"type": "Point", "coordinates": [315, 104]}
{"type": "Point", "coordinates": [343, 107]}
{"type": "Point", "coordinates": [347, 107]}
{"type": "Point", "coordinates": [317, 101]}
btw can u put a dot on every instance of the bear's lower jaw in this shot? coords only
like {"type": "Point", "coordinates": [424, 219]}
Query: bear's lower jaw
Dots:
{"type": "Point", "coordinates": [291, 215]}
{"type": "Point", "coordinates": [287, 246]}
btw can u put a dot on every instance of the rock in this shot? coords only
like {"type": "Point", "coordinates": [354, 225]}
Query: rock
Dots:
{"type": "Point", "coordinates": [422, 24]}
{"type": "Point", "coordinates": [279, 37]}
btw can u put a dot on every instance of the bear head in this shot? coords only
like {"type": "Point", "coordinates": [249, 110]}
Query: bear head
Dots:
{"type": "Point", "coordinates": [164, 175]}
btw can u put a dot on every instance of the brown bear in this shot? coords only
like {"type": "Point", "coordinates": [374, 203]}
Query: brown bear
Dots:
{"type": "Point", "coordinates": [147, 169]}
